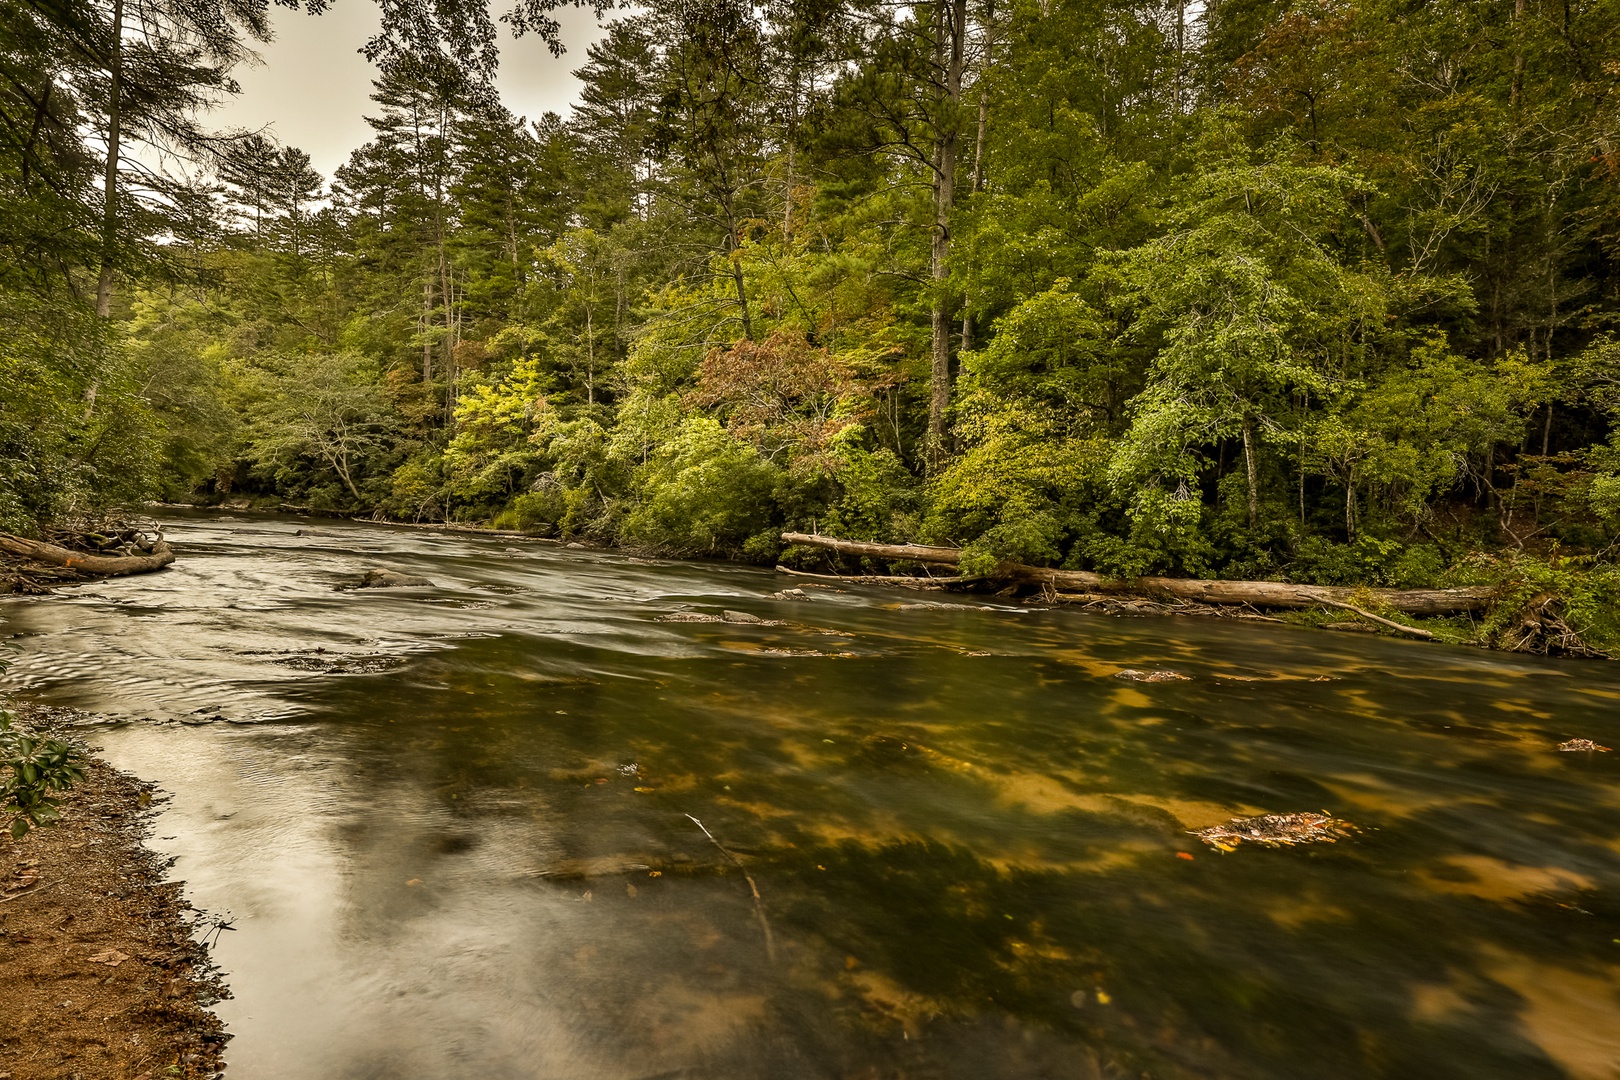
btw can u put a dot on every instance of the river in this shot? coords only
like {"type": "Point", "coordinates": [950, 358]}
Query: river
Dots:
{"type": "Point", "coordinates": [452, 828]}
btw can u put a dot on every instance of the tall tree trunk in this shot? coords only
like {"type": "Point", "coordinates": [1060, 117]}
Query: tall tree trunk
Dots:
{"type": "Point", "coordinates": [1249, 466]}
{"type": "Point", "coordinates": [734, 256]}
{"type": "Point", "coordinates": [427, 325]}
{"type": "Point", "coordinates": [978, 143]}
{"type": "Point", "coordinates": [1516, 91]}
{"type": "Point", "coordinates": [341, 463]}
{"type": "Point", "coordinates": [948, 49]}
{"type": "Point", "coordinates": [1350, 503]}
{"type": "Point", "coordinates": [1304, 411]}
{"type": "Point", "coordinates": [446, 287]}
{"type": "Point", "coordinates": [1181, 50]}
{"type": "Point", "coordinates": [115, 114]}
{"type": "Point", "coordinates": [788, 138]}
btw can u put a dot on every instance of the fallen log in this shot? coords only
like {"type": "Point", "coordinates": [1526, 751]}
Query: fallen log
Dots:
{"type": "Point", "coordinates": [97, 565]}
{"type": "Point", "coordinates": [1261, 594]}
{"type": "Point", "coordinates": [881, 579]}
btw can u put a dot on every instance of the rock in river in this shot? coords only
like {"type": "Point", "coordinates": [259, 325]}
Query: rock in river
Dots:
{"type": "Point", "coordinates": [389, 579]}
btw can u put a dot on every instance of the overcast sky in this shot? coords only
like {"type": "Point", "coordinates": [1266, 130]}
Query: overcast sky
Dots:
{"type": "Point", "coordinates": [312, 89]}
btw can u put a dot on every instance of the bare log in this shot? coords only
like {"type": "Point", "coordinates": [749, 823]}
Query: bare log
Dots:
{"type": "Point", "coordinates": [99, 565]}
{"type": "Point", "coordinates": [1260, 594]}
{"type": "Point", "coordinates": [893, 552]}
{"type": "Point", "coordinates": [880, 579]}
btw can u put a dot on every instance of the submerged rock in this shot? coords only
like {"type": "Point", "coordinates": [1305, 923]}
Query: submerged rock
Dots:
{"type": "Point", "coordinates": [389, 579]}
{"type": "Point", "coordinates": [1577, 745]}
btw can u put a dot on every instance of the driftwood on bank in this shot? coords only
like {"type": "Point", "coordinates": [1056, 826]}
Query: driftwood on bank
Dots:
{"type": "Point", "coordinates": [1260, 594]}
{"type": "Point", "coordinates": [37, 551]}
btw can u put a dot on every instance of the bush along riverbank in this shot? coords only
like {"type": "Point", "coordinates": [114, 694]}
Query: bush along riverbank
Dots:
{"type": "Point", "coordinates": [100, 972]}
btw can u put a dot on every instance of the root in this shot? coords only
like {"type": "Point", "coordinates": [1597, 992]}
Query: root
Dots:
{"type": "Point", "coordinates": [1542, 629]}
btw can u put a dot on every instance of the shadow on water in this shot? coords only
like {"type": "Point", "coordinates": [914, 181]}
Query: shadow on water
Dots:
{"type": "Point", "coordinates": [456, 841]}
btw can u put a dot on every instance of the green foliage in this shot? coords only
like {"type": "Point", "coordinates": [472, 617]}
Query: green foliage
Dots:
{"type": "Point", "coordinates": [1585, 591]}
{"type": "Point", "coordinates": [1023, 493]}
{"type": "Point", "coordinates": [76, 433]}
{"type": "Point", "coordinates": [32, 767]}
{"type": "Point", "coordinates": [325, 415]}
{"type": "Point", "coordinates": [703, 492]}
{"type": "Point", "coordinates": [877, 497]}
{"type": "Point", "coordinates": [1392, 563]}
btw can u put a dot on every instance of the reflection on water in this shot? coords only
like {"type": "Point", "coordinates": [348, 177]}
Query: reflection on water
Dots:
{"type": "Point", "coordinates": [450, 825]}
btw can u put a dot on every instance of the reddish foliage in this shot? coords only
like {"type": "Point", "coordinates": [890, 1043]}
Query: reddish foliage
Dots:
{"type": "Point", "coordinates": [780, 393]}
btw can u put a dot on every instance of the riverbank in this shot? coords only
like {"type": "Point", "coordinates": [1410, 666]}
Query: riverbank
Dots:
{"type": "Point", "coordinates": [100, 976]}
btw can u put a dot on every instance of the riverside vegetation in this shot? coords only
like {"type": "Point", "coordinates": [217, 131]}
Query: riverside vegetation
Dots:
{"type": "Point", "coordinates": [1317, 292]}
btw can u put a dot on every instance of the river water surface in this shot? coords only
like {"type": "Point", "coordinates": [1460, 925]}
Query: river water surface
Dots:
{"type": "Point", "coordinates": [453, 830]}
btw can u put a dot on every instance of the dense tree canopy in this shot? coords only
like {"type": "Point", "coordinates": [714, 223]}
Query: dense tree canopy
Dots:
{"type": "Point", "coordinates": [1284, 288]}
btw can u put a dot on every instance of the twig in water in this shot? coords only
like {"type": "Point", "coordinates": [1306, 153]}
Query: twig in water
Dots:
{"type": "Point", "coordinates": [759, 905]}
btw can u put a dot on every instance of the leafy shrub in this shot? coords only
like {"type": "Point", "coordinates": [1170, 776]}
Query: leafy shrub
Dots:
{"type": "Point", "coordinates": [1019, 495]}
{"type": "Point", "coordinates": [1365, 561]}
{"type": "Point", "coordinates": [702, 492]}
{"type": "Point", "coordinates": [31, 768]}
{"type": "Point", "coordinates": [877, 495]}
{"type": "Point", "coordinates": [1584, 592]}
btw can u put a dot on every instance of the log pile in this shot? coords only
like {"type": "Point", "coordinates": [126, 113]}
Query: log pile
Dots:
{"type": "Point", "coordinates": [1258, 594]}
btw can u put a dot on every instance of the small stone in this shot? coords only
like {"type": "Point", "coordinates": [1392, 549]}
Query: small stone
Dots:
{"type": "Point", "coordinates": [390, 579]}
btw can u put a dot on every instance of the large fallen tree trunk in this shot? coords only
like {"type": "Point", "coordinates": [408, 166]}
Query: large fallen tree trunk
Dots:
{"type": "Point", "coordinates": [95, 565]}
{"type": "Point", "coordinates": [1265, 594]}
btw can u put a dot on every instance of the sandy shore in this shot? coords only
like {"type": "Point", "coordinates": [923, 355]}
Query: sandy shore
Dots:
{"type": "Point", "coordinates": [100, 978]}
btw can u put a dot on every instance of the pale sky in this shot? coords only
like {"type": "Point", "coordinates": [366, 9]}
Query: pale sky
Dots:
{"type": "Point", "coordinates": [312, 89]}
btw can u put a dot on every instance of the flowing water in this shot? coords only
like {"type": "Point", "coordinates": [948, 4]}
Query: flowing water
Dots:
{"type": "Point", "coordinates": [453, 830]}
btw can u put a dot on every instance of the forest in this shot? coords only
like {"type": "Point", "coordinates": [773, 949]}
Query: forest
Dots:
{"type": "Point", "coordinates": [1299, 290]}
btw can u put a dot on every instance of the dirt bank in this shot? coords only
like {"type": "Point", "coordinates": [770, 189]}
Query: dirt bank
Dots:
{"type": "Point", "coordinates": [99, 976]}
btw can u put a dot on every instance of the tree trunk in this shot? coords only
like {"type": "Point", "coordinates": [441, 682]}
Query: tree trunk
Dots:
{"type": "Point", "coordinates": [789, 138]}
{"type": "Point", "coordinates": [1270, 594]}
{"type": "Point", "coordinates": [108, 565]}
{"type": "Point", "coordinates": [1251, 469]}
{"type": "Point", "coordinates": [1516, 90]}
{"type": "Point", "coordinates": [1350, 503]}
{"type": "Point", "coordinates": [115, 113]}
{"type": "Point", "coordinates": [341, 466]}
{"type": "Point", "coordinates": [977, 183]}
{"type": "Point", "coordinates": [948, 49]}
{"type": "Point", "coordinates": [742, 296]}
{"type": "Point", "coordinates": [734, 256]}
{"type": "Point", "coordinates": [427, 327]}
{"type": "Point", "coordinates": [1181, 51]}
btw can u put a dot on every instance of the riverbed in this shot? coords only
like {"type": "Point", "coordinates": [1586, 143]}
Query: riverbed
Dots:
{"type": "Point", "coordinates": [514, 824]}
